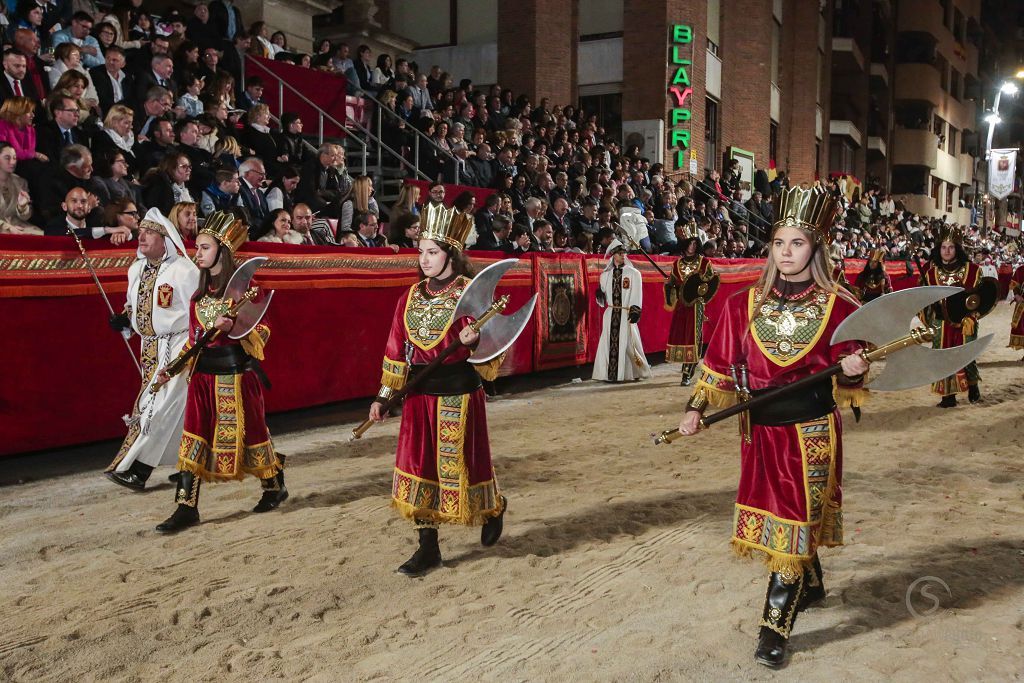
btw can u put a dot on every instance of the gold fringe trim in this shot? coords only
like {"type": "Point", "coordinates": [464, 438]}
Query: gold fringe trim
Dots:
{"type": "Point", "coordinates": [489, 371]}
{"type": "Point", "coordinates": [207, 476]}
{"type": "Point", "coordinates": [254, 342]}
{"type": "Point", "coordinates": [716, 397]}
{"type": "Point", "coordinates": [393, 373]}
{"type": "Point", "coordinates": [775, 562]}
{"type": "Point", "coordinates": [855, 397]}
{"type": "Point", "coordinates": [413, 513]}
{"type": "Point", "coordinates": [1016, 342]}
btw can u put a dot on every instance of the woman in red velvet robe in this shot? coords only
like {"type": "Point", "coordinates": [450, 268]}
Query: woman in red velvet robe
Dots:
{"type": "Point", "coordinates": [1017, 321]}
{"type": "Point", "coordinates": [790, 494]}
{"type": "Point", "coordinates": [443, 471]}
{"type": "Point", "coordinates": [225, 435]}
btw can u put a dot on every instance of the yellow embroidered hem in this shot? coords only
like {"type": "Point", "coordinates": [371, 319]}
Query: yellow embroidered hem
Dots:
{"type": "Point", "coordinates": [1016, 342]}
{"type": "Point", "coordinates": [718, 389]}
{"type": "Point", "coordinates": [681, 354]}
{"type": "Point", "coordinates": [855, 397]}
{"type": "Point", "coordinates": [259, 460]}
{"type": "Point", "coordinates": [476, 518]}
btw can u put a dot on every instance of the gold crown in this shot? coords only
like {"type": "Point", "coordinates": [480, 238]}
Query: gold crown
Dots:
{"type": "Point", "coordinates": [690, 231]}
{"type": "Point", "coordinates": [227, 229]}
{"type": "Point", "coordinates": [877, 255]}
{"type": "Point", "coordinates": [812, 209]}
{"type": "Point", "coordinates": [443, 224]}
{"type": "Point", "coordinates": [951, 233]}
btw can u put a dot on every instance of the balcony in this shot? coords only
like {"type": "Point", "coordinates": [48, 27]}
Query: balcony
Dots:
{"type": "Point", "coordinates": [847, 55]}
{"type": "Point", "coordinates": [880, 72]}
{"type": "Point", "coordinates": [924, 16]}
{"type": "Point", "coordinates": [876, 144]}
{"type": "Point", "coordinates": [914, 147]}
{"type": "Point", "coordinates": [919, 83]}
{"type": "Point", "coordinates": [846, 129]}
{"type": "Point", "coordinates": [966, 162]}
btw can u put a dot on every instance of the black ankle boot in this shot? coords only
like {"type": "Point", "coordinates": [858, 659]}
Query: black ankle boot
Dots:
{"type": "Point", "coordinates": [491, 531]}
{"type": "Point", "coordinates": [973, 393]}
{"type": "Point", "coordinates": [133, 478]}
{"type": "Point", "coordinates": [426, 557]}
{"type": "Point", "coordinates": [274, 493]}
{"type": "Point", "coordinates": [186, 495]}
{"type": "Point", "coordinates": [814, 586]}
{"type": "Point", "coordinates": [777, 620]}
{"type": "Point", "coordinates": [948, 401]}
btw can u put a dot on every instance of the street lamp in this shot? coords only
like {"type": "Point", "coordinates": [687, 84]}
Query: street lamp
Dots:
{"type": "Point", "coordinates": [1011, 89]}
{"type": "Point", "coordinates": [993, 119]}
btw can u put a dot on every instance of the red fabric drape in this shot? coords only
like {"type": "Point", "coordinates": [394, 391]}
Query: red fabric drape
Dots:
{"type": "Point", "coordinates": [67, 379]}
{"type": "Point", "coordinates": [326, 90]}
{"type": "Point", "coordinates": [451, 191]}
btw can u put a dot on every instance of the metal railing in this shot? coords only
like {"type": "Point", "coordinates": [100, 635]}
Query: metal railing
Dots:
{"type": "Point", "coordinates": [384, 110]}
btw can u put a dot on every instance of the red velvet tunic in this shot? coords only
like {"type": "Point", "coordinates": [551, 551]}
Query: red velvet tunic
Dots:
{"type": "Point", "coordinates": [967, 276]}
{"type": "Point", "coordinates": [872, 284]}
{"type": "Point", "coordinates": [1017, 321]}
{"type": "Point", "coordinates": [443, 470]}
{"type": "Point", "coordinates": [685, 331]}
{"type": "Point", "coordinates": [790, 496]}
{"type": "Point", "coordinates": [225, 434]}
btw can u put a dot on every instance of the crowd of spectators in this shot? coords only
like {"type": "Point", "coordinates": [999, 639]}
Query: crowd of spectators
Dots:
{"type": "Point", "coordinates": [117, 112]}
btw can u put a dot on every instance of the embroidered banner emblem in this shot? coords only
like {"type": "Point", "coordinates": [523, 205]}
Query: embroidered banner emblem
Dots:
{"type": "Point", "coordinates": [164, 295]}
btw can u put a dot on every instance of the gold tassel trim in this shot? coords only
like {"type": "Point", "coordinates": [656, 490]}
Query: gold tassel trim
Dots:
{"type": "Point", "coordinates": [413, 513]}
{"type": "Point", "coordinates": [716, 397]}
{"type": "Point", "coordinates": [854, 397]}
{"type": "Point", "coordinates": [254, 342]}
{"type": "Point", "coordinates": [394, 373]}
{"type": "Point", "coordinates": [489, 371]}
{"type": "Point", "coordinates": [775, 562]}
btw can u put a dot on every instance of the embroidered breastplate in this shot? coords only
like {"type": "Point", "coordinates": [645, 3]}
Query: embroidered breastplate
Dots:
{"type": "Point", "coordinates": [954, 277]}
{"type": "Point", "coordinates": [684, 267]}
{"type": "Point", "coordinates": [785, 330]}
{"type": "Point", "coordinates": [428, 316]}
{"type": "Point", "coordinates": [208, 308]}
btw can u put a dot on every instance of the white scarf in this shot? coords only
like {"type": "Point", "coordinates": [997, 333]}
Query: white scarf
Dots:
{"type": "Point", "coordinates": [260, 127]}
{"type": "Point", "coordinates": [124, 144]}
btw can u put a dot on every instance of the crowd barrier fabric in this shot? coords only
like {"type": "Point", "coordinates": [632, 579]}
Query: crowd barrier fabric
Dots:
{"type": "Point", "coordinates": [66, 378]}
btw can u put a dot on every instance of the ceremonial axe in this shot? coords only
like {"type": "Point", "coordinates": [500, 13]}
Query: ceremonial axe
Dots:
{"type": "Point", "coordinates": [873, 323]}
{"type": "Point", "coordinates": [497, 332]}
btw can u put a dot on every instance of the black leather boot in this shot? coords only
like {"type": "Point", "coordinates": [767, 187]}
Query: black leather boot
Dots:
{"type": "Point", "coordinates": [948, 401]}
{"type": "Point", "coordinates": [780, 605]}
{"type": "Point", "coordinates": [973, 393]}
{"type": "Point", "coordinates": [688, 369]}
{"type": "Point", "coordinates": [814, 586]}
{"type": "Point", "coordinates": [491, 531]}
{"type": "Point", "coordinates": [133, 478]}
{"type": "Point", "coordinates": [426, 558]}
{"type": "Point", "coordinates": [274, 493]}
{"type": "Point", "coordinates": [186, 495]}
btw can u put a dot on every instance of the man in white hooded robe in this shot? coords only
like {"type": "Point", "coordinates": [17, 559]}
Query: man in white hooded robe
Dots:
{"type": "Point", "coordinates": [161, 283]}
{"type": "Point", "coordinates": [620, 353]}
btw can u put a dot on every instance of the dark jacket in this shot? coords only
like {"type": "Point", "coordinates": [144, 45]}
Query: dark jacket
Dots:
{"type": "Point", "coordinates": [105, 90]}
{"type": "Point", "coordinates": [50, 142]}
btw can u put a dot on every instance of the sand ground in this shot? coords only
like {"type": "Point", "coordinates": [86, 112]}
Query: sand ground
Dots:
{"type": "Point", "coordinates": [614, 566]}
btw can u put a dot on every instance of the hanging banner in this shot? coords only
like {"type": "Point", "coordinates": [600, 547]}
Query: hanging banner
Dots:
{"type": "Point", "coordinates": [1002, 167]}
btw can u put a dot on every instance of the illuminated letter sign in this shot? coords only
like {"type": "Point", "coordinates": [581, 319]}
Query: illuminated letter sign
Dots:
{"type": "Point", "coordinates": [681, 113]}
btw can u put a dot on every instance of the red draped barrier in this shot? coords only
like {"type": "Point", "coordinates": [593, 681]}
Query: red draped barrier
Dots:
{"type": "Point", "coordinates": [451, 191]}
{"type": "Point", "coordinates": [67, 379]}
{"type": "Point", "coordinates": [325, 89]}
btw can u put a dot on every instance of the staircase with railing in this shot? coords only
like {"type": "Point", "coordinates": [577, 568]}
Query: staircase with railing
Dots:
{"type": "Point", "coordinates": [366, 152]}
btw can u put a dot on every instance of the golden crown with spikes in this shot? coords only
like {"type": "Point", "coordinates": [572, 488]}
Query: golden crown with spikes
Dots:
{"type": "Point", "coordinates": [951, 233]}
{"type": "Point", "coordinates": [690, 231]}
{"type": "Point", "coordinates": [877, 255]}
{"type": "Point", "coordinates": [445, 224]}
{"type": "Point", "coordinates": [226, 228]}
{"type": "Point", "coordinates": [812, 209]}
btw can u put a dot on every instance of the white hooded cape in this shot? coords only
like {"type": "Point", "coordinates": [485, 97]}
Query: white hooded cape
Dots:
{"type": "Point", "coordinates": [154, 428]}
{"type": "Point", "coordinates": [620, 353]}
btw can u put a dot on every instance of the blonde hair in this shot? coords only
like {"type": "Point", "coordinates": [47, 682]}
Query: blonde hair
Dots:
{"type": "Point", "coordinates": [117, 112]}
{"type": "Point", "coordinates": [258, 110]}
{"type": "Point", "coordinates": [360, 195]}
{"type": "Point", "coordinates": [172, 216]}
{"type": "Point", "coordinates": [227, 144]}
{"type": "Point", "coordinates": [820, 265]}
{"type": "Point", "coordinates": [15, 107]}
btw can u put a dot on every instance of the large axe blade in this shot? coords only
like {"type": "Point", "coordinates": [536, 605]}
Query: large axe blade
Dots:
{"type": "Point", "coordinates": [250, 315]}
{"type": "Point", "coordinates": [888, 317]}
{"type": "Point", "coordinates": [502, 330]}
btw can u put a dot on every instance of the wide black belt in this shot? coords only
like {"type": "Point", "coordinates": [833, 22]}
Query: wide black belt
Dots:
{"type": "Point", "coordinates": [229, 360]}
{"type": "Point", "coordinates": [448, 380]}
{"type": "Point", "coordinates": [810, 404]}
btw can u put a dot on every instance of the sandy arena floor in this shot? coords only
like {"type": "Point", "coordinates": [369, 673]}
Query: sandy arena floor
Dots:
{"type": "Point", "coordinates": [615, 564]}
